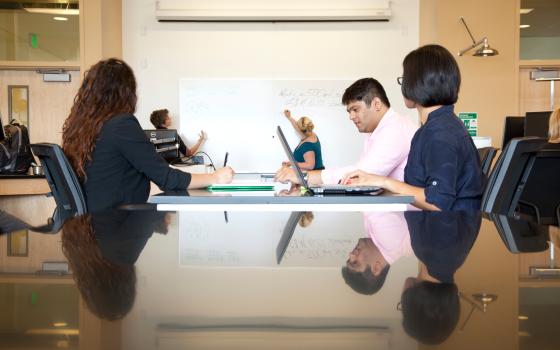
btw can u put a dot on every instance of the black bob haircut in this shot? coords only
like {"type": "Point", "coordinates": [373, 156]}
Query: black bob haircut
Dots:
{"type": "Point", "coordinates": [365, 282]}
{"type": "Point", "coordinates": [430, 311]}
{"type": "Point", "coordinates": [431, 76]}
{"type": "Point", "coordinates": [366, 90]}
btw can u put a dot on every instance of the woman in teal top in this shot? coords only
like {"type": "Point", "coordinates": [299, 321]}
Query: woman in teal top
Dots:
{"type": "Point", "coordinates": [308, 152]}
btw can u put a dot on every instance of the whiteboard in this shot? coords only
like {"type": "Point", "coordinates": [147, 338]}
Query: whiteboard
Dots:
{"type": "Point", "coordinates": [251, 239]}
{"type": "Point", "coordinates": [240, 117]}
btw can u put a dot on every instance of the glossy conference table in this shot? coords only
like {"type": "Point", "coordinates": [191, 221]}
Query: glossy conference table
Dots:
{"type": "Point", "coordinates": [146, 279]}
{"type": "Point", "coordinates": [282, 197]}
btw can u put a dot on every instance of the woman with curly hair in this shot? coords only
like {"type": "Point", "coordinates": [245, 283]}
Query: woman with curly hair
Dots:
{"type": "Point", "coordinates": [107, 148]}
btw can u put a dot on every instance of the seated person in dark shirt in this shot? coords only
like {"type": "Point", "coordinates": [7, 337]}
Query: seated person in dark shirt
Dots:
{"type": "Point", "coordinates": [108, 149]}
{"type": "Point", "coordinates": [308, 152]}
{"type": "Point", "coordinates": [430, 301]}
{"type": "Point", "coordinates": [102, 248]}
{"type": "Point", "coordinates": [161, 120]}
{"type": "Point", "coordinates": [443, 169]}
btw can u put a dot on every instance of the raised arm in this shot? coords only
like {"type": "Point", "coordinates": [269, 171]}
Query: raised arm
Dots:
{"type": "Point", "coordinates": [201, 138]}
{"type": "Point", "coordinates": [288, 115]}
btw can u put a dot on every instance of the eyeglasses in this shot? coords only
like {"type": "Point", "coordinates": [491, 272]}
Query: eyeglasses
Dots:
{"type": "Point", "coordinates": [399, 80]}
{"type": "Point", "coordinates": [399, 306]}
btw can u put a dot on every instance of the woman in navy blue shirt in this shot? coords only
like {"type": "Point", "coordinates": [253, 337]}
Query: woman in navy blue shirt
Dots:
{"type": "Point", "coordinates": [443, 169]}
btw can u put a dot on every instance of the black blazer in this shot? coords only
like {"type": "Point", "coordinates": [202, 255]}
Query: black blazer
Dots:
{"type": "Point", "coordinates": [123, 163]}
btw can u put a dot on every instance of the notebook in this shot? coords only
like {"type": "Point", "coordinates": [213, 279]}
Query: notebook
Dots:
{"type": "Point", "coordinates": [324, 189]}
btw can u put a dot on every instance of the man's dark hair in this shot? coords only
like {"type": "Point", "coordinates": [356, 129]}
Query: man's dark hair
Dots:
{"type": "Point", "coordinates": [366, 90]}
{"type": "Point", "coordinates": [430, 311]}
{"type": "Point", "coordinates": [365, 282]}
{"type": "Point", "coordinates": [431, 76]}
{"type": "Point", "coordinates": [158, 117]}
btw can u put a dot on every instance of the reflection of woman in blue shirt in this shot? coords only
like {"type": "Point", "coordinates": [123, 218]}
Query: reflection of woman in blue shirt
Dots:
{"type": "Point", "coordinates": [308, 152]}
{"type": "Point", "coordinates": [443, 169]}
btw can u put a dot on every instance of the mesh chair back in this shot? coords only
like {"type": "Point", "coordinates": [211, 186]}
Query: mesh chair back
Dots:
{"type": "Point", "coordinates": [62, 179]}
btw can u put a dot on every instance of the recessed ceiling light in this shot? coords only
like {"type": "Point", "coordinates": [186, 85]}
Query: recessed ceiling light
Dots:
{"type": "Point", "coordinates": [60, 18]}
{"type": "Point", "coordinates": [524, 26]}
{"type": "Point", "coordinates": [522, 318]}
{"type": "Point", "coordinates": [525, 11]}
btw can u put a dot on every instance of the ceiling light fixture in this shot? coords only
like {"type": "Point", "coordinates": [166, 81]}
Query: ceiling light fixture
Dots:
{"type": "Point", "coordinates": [522, 26]}
{"type": "Point", "coordinates": [484, 51]}
{"type": "Point", "coordinates": [60, 18]}
{"type": "Point", "coordinates": [51, 11]}
{"type": "Point", "coordinates": [525, 11]}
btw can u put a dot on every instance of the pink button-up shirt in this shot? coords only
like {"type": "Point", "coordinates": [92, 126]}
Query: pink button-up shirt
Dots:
{"type": "Point", "coordinates": [389, 233]}
{"type": "Point", "coordinates": [385, 150]}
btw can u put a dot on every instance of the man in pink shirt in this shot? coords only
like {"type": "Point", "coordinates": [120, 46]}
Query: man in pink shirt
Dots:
{"type": "Point", "coordinates": [386, 147]}
{"type": "Point", "coordinates": [369, 262]}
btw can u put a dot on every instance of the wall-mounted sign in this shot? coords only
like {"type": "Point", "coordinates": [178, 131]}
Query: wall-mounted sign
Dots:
{"type": "Point", "coordinates": [471, 122]}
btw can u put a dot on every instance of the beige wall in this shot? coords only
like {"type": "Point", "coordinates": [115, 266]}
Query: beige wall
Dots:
{"type": "Point", "coordinates": [101, 30]}
{"type": "Point", "coordinates": [489, 84]}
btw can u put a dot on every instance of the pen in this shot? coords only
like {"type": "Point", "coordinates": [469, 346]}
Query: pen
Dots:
{"type": "Point", "coordinates": [225, 159]}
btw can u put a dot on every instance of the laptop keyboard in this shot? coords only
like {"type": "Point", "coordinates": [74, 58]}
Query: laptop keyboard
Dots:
{"type": "Point", "coordinates": [348, 187]}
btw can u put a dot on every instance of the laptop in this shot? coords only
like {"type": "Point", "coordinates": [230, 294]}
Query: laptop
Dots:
{"type": "Point", "coordinates": [287, 235]}
{"type": "Point", "coordinates": [324, 189]}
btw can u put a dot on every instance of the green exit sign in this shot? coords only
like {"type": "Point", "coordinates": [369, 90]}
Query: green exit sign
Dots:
{"type": "Point", "coordinates": [33, 40]}
{"type": "Point", "coordinates": [470, 119]}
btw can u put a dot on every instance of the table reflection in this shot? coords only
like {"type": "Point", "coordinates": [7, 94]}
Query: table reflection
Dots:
{"type": "Point", "coordinates": [196, 279]}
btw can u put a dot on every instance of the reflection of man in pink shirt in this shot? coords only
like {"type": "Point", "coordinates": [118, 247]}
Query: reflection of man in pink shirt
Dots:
{"type": "Point", "coordinates": [386, 148]}
{"type": "Point", "coordinates": [369, 262]}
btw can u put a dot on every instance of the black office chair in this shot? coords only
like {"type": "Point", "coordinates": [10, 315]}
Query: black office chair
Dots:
{"type": "Point", "coordinates": [62, 179]}
{"type": "Point", "coordinates": [9, 223]}
{"type": "Point", "coordinates": [521, 236]}
{"type": "Point", "coordinates": [506, 180]}
{"type": "Point", "coordinates": [487, 155]}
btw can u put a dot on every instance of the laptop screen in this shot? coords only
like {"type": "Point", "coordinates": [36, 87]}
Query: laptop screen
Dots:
{"type": "Point", "coordinates": [287, 235]}
{"type": "Point", "coordinates": [290, 156]}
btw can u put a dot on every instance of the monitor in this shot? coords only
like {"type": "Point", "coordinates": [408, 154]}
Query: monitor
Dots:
{"type": "Point", "coordinates": [536, 124]}
{"type": "Point", "coordinates": [166, 142]}
{"type": "Point", "coordinates": [513, 127]}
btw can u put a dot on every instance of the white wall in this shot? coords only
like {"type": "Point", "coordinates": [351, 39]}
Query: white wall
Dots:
{"type": "Point", "coordinates": [163, 53]}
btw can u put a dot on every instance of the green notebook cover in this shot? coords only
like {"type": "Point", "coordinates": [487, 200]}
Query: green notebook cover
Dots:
{"type": "Point", "coordinates": [230, 188]}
